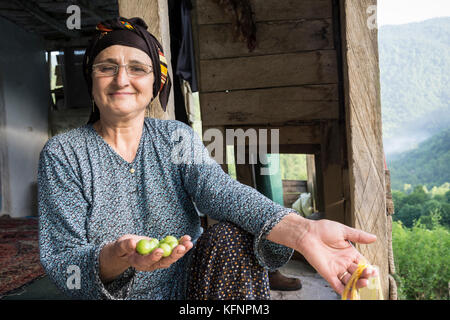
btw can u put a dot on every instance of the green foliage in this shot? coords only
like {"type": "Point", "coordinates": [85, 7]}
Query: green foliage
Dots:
{"type": "Point", "coordinates": [421, 242]}
{"type": "Point", "coordinates": [428, 164]}
{"type": "Point", "coordinates": [231, 162]}
{"type": "Point", "coordinates": [421, 204]}
{"type": "Point", "coordinates": [293, 166]}
{"type": "Point", "coordinates": [422, 258]}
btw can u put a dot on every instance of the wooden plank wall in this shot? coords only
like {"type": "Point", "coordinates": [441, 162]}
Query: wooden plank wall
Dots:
{"type": "Point", "coordinates": [290, 82]}
{"type": "Point", "coordinates": [290, 76]}
{"type": "Point", "coordinates": [364, 131]}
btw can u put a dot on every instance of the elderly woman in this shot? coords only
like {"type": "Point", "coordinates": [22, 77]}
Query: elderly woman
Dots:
{"type": "Point", "coordinates": [123, 177]}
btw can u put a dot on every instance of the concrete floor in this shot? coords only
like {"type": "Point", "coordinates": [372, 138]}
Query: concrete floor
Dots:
{"type": "Point", "coordinates": [39, 289]}
{"type": "Point", "coordinates": [314, 287]}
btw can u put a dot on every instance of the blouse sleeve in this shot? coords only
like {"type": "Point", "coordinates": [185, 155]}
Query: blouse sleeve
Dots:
{"type": "Point", "coordinates": [69, 259]}
{"type": "Point", "coordinates": [221, 197]}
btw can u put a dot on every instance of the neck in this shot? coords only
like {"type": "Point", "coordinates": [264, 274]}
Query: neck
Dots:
{"type": "Point", "coordinates": [123, 137]}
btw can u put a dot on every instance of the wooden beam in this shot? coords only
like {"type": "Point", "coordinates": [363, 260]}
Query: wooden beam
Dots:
{"type": "Point", "coordinates": [56, 45]}
{"type": "Point", "coordinates": [210, 12]}
{"type": "Point", "coordinates": [300, 148]}
{"type": "Point", "coordinates": [42, 16]}
{"type": "Point", "coordinates": [86, 6]}
{"type": "Point", "coordinates": [218, 41]}
{"type": "Point", "coordinates": [270, 105]}
{"type": "Point", "coordinates": [306, 134]}
{"type": "Point", "coordinates": [317, 67]}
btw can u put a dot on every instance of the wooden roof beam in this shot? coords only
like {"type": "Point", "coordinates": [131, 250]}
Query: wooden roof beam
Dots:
{"type": "Point", "coordinates": [41, 15]}
{"type": "Point", "coordinates": [87, 7]}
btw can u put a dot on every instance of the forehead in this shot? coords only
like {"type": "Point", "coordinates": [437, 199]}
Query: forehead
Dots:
{"type": "Point", "coordinates": [122, 54]}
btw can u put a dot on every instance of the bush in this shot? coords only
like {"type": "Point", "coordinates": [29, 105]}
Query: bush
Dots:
{"type": "Point", "coordinates": [422, 260]}
{"type": "Point", "coordinates": [419, 203]}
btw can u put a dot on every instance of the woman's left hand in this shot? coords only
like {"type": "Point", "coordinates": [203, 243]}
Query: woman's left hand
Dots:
{"type": "Point", "coordinates": [326, 247]}
{"type": "Point", "coordinates": [325, 244]}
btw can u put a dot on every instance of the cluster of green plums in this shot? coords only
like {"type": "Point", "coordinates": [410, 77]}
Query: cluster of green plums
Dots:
{"type": "Point", "coordinates": [146, 246]}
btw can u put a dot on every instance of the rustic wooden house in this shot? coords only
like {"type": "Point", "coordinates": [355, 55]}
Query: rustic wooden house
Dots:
{"type": "Point", "coordinates": [314, 75]}
{"type": "Point", "coordinates": [306, 67]}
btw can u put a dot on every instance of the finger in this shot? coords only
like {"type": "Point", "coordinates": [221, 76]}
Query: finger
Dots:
{"type": "Point", "coordinates": [177, 253]}
{"type": "Point", "coordinates": [352, 268]}
{"type": "Point", "coordinates": [126, 246]}
{"type": "Point", "coordinates": [361, 283]}
{"type": "Point", "coordinates": [185, 238]}
{"type": "Point", "coordinates": [369, 272]}
{"type": "Point", "coordinates": [346, 278]}
{"type": "Point", "coordinates": [337, 285]}
{"type": "Point", "coordinates": [359, 236]}
{"type": "Point", "coordinates": [187, 245]}
{"type": "Point", "coordinates": [146, 262]}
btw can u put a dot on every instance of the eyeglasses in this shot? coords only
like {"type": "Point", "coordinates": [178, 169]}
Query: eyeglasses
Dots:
{"type": "Point", "coordinates": [134, 70]}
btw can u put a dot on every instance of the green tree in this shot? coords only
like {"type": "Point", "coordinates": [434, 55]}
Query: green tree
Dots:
{"type": "Point", "coordinates": [420, 203]}
{"type": "Point", "coordinates": [408, 214]}
{"type": "Point", "coordinates": [422, 260]}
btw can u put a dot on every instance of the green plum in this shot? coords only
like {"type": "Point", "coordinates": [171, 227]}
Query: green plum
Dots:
{"type": "Point", "coordinates": [166, 248]}
{"type": "Point", "coordinates": [144, 246]}
{"type": "Point", "coordinates": [172, 244]}
{"type": "Point", "coordinates": [168, 239]}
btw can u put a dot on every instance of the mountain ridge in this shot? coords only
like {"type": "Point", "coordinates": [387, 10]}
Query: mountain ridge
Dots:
{"type": "Point", "coordinates": [414, 76]}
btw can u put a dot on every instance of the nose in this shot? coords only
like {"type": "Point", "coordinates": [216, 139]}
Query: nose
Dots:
{"type": "Point", "coordinates": [121, 78]}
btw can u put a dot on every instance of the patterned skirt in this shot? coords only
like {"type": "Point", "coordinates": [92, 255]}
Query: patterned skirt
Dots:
{"type": "Point", "coordinates": [224, 266]}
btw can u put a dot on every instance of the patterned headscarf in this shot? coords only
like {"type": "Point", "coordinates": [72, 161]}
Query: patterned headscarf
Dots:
{"type": "Point", "coordinates": [133, 33]}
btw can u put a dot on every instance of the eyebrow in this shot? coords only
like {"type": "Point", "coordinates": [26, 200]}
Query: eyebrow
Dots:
{"type": "Point", "coordinates": [112, 60]}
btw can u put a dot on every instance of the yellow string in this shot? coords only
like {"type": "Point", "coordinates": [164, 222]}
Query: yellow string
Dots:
{"type": "Point", "coordinates": [351, 284]}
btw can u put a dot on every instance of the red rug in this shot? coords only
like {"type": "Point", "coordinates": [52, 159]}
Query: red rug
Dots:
{"type": "Point", "coordinates": [19, 253]}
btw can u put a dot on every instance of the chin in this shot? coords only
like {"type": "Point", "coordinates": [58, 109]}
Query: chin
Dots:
{"type": "Point", "coordinates": [125, 111]}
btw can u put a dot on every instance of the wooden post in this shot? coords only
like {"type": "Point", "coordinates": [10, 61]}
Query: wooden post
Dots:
{"type": "Point", "coordinates": [311, 179]}
{"type": "Point", "coordinates": [331, 150]}
{"type": "Point", "coordinates": [156, 16]}
{"type": "Point", "coordinates": [366, 174]}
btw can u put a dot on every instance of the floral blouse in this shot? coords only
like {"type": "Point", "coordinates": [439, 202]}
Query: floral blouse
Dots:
{"type": "Point", "coordinates": [89, 196]}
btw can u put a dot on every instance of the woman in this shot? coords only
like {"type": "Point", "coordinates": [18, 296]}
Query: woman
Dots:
{"type": "Point", "coordinates": [123, 177]}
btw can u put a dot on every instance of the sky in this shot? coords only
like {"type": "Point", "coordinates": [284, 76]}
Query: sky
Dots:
{"type": "Point", "coordinates": [406, 11]}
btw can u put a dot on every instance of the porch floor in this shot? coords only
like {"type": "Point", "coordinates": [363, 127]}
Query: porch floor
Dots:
{"type": "Point", "coordinates": [314, 287]}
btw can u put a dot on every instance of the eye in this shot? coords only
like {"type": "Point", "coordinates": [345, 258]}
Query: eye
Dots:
{"type": "Point", "coordinates": [139, 68]}
{"type": "Point", "coordinates": [106, 68]}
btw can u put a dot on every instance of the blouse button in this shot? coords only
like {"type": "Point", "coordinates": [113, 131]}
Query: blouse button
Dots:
{"type": "Point", "coordinates": [132, 170]}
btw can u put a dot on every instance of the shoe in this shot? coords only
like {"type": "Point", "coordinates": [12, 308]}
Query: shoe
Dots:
{"type": "Point", "coordinates": [280, 282]}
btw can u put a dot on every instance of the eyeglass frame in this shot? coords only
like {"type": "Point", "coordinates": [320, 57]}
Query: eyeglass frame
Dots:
{"type": "Point", "coordinates": [122, 65]}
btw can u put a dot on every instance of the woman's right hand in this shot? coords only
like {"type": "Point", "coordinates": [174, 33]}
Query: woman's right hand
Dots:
{"type": "Point", "coordinates": [121, 254]}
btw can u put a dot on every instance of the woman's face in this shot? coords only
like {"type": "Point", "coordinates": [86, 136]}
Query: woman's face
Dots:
{"type": "Point", "coordinates": [121, 95]}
